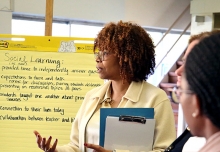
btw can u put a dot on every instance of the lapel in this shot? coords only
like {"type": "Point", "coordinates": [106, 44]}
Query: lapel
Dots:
{"type": "Point", "coordinates": [134, 91]}
{"type": "Point", "coordinates": [90, 107]}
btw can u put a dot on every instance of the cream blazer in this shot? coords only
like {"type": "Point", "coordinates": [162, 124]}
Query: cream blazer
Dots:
{"type": "Point", "coordinates": [139, 95]}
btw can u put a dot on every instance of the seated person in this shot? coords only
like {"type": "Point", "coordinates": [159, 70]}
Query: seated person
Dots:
{"type": "Point", "coordinates": [186, 142]}
{"type": "Point", "coordinates": [199, 92]}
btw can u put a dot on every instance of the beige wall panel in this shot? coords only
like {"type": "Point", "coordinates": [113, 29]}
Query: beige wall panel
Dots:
{"type": "Point", "coordinates": [152, 13]}
{"type": "Point", "coordinates": [157, 13]}
{"type": "Point", "coordinates": [96, 10]}
{"type": "Point", "coordinates": [204, 6]}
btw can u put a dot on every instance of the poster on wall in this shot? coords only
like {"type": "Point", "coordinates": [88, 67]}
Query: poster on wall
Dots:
{"type": "Point", "coordinates": [42, 86]}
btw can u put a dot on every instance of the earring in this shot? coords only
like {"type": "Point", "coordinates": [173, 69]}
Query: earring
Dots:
{"type": "Point", "coordinates": [194, 114]}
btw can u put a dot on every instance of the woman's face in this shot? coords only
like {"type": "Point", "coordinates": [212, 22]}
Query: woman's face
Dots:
{"type": "Point", "coordinates": [179, 71]}
{"type": "Point", "coordinates": [108, 66]}
{"type": "Point", "coordinates": [189, 103]}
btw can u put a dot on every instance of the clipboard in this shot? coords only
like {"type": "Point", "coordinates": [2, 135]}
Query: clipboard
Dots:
{"type": "Point", "coordinates": [104, 112]}
{"type": "Point", "coordinates": [133, 133]}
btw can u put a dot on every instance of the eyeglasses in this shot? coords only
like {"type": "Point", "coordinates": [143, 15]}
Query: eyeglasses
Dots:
{"type": "Point", "coordinates": [177, 92]}
{"type": "Point", "coordinates": [101, 55]}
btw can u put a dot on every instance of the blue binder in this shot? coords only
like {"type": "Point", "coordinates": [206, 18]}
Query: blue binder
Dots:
{"type": "Point", "coordinates": [148, 113]}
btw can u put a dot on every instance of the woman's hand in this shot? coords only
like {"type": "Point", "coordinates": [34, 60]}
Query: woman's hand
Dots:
{"type": "Point", "coordinates": [44, 143]}
{"type": "Point", "coordinates": [96, 148]}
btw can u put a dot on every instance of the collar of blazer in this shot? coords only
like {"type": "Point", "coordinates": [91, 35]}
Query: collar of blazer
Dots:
{"type": "Point", "coordinates": [133, 93]}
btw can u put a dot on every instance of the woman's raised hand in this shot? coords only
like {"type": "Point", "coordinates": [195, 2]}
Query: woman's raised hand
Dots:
{"type": "Point", "coordinates": [44, 143]}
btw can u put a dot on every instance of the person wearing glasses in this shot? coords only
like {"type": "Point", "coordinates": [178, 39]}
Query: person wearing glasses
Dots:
{"type": "Point", "coordinates": [199, 92]}
{"type": "Point", "coordinates": [125, 56]}
{"type": "Point", "coordinates": [186, 142]}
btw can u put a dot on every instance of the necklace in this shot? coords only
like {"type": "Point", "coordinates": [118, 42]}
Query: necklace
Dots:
{"type": "Point", "coordinates": [111, 100]}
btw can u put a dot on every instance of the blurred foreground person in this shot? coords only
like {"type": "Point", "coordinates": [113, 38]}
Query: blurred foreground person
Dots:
{"type": "Point", "coordinates": [199, 92]}
{"type": "Point", "coordinates": [186, 142]}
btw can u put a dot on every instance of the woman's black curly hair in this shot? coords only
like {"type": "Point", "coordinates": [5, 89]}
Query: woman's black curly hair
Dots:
{"type": "Point", "coordinates": [132, 45]}
{"type": "Point", "coordinates": [202, 70]}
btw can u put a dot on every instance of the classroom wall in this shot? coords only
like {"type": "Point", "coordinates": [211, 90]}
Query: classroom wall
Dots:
{"type": "Point", "coordinates": [96, 10]}
{"type": "Point", "coordinates": [148, 13]}
{"type": "Point", "coordinates": [158, 13]}
{"type": "Point", "coordinates": [5, 22]}
{"type": "Point", "coordinates": [5, 16]}
{"type": "Point", "coordinates": [204, 8]}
